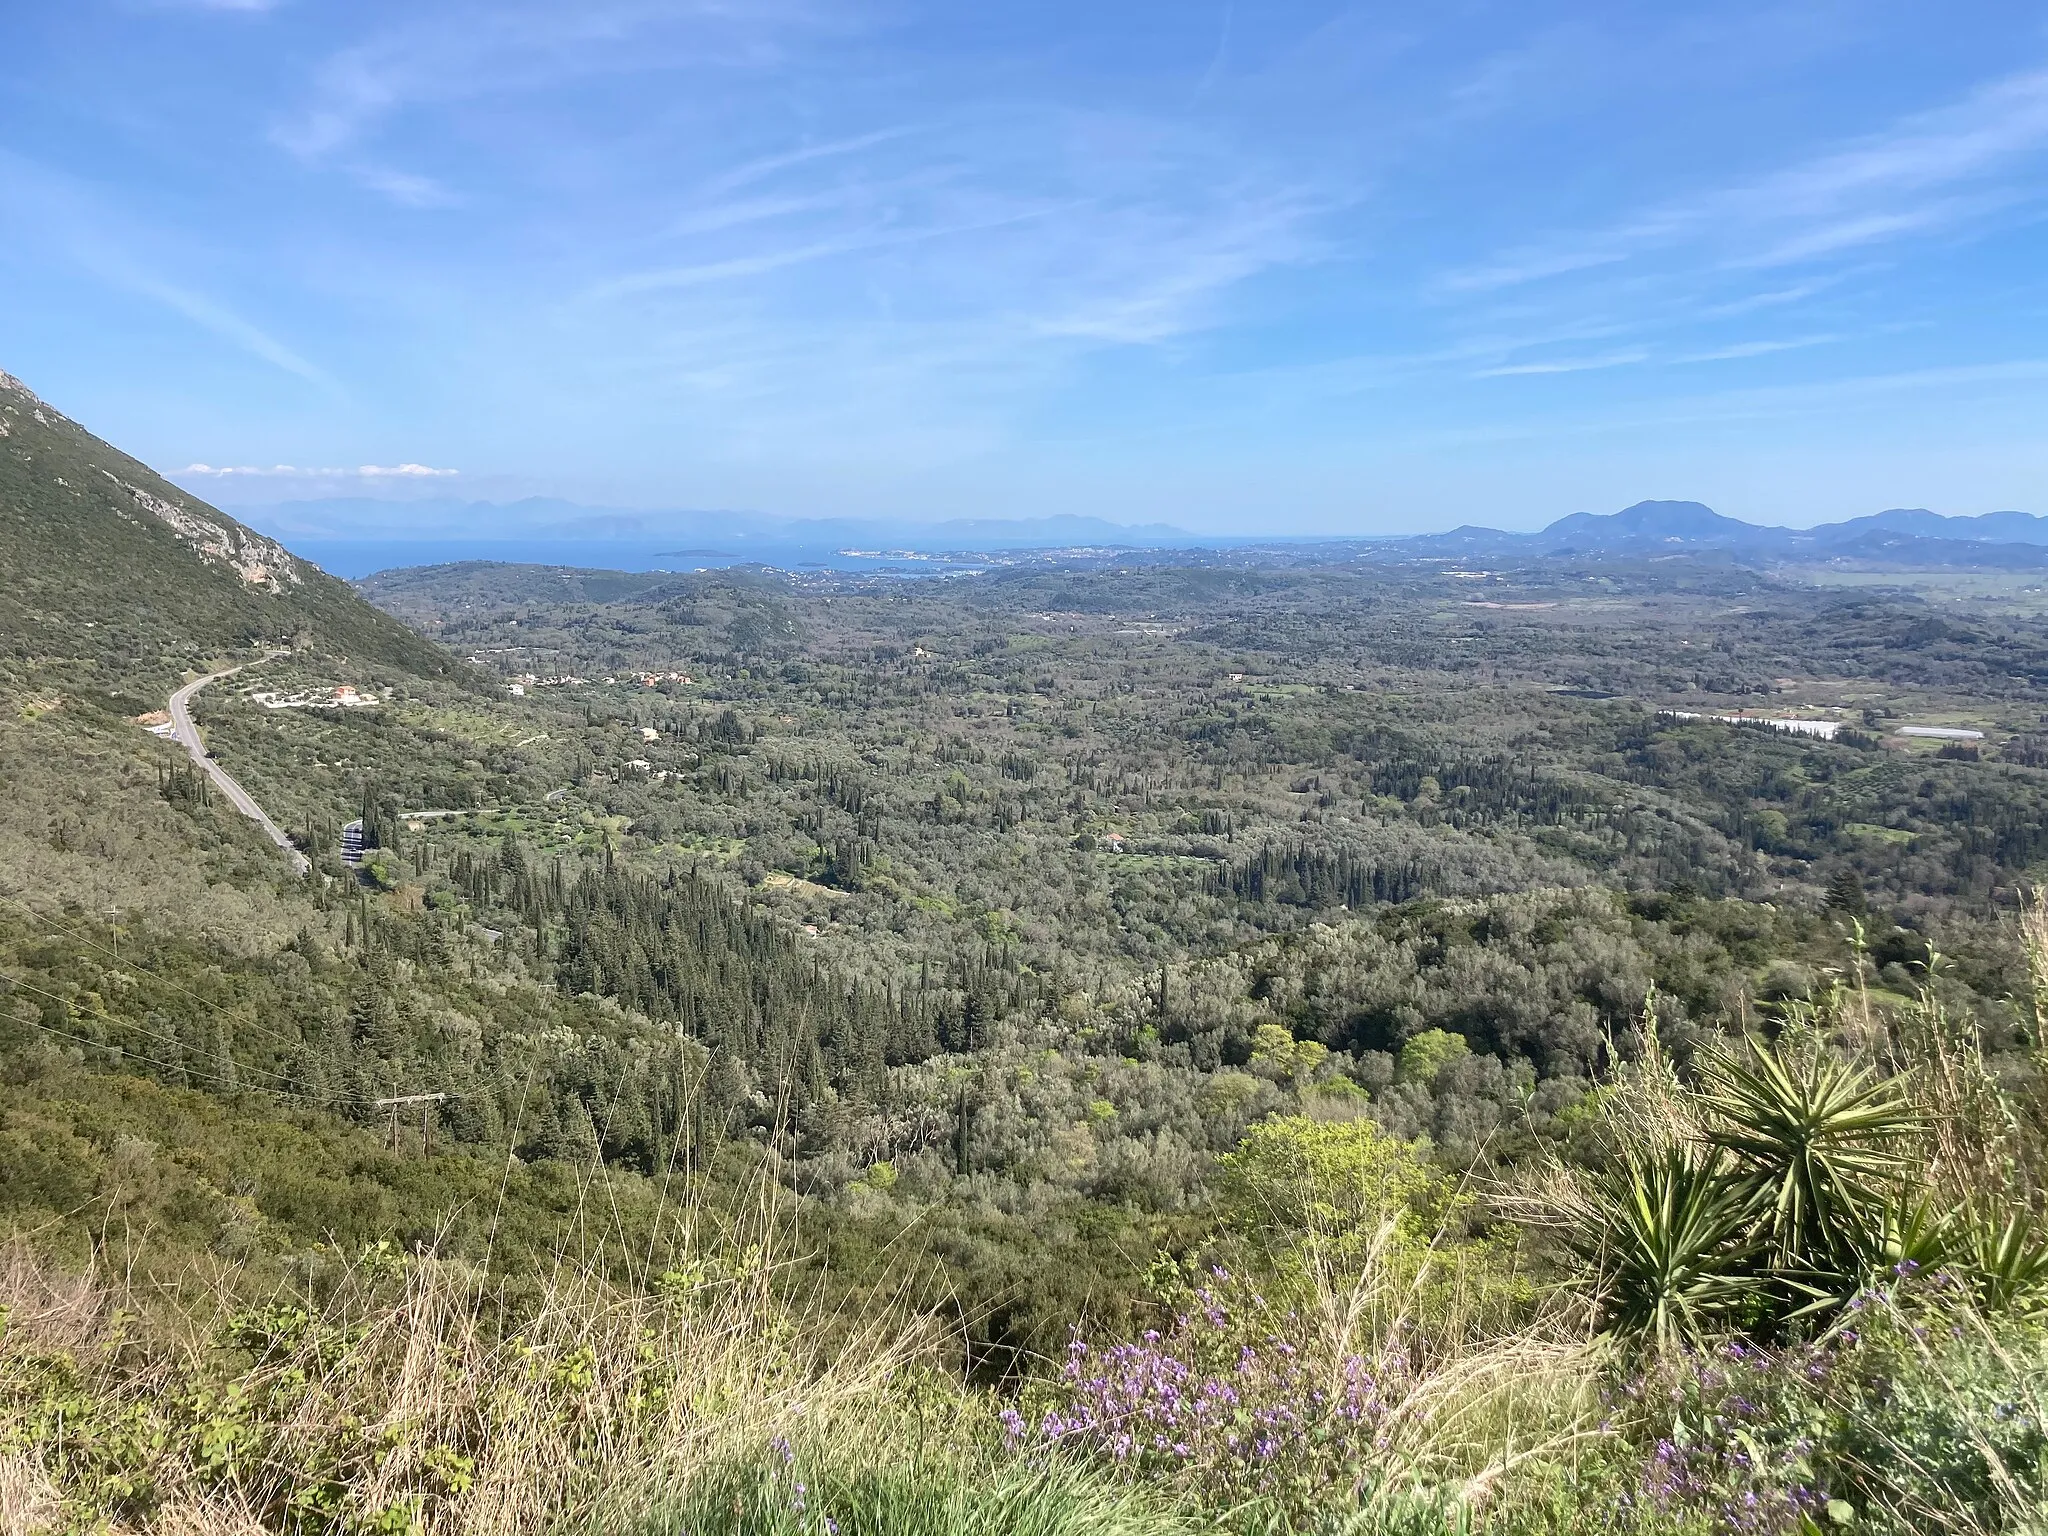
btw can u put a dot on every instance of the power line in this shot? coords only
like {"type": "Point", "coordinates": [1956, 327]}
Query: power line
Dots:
{"type": "Point", "coordinates": [406, 1101]}
{"type": "Point", "coordinates": [157, 1062]}
{"type": "Point", "coordinates": [325, 1101]}
{"type": "Point", "coordinates": [163, 980]}
{"type": "Point", "coordinates": [233, 1021]}
{"type": "Point", "coordinates": [217, 1081]}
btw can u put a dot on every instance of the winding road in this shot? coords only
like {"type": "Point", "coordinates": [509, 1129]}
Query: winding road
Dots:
{"type": "Point", "coordinates": [187, 735]}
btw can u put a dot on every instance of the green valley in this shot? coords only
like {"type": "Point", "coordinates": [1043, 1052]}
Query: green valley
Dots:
{"type": "Point", "coordinates": [1258, 1040]}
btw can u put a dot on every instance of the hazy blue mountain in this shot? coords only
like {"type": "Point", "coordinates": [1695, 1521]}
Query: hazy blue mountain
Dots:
{"type": "Point", "coordinates": [1902, 538]}
{"type": "Point", "coordinates": [1654, 525]}
{"type": "Point", "coordinates": [356, 536]}
{"type": "Point", "coordinates": [1648, 527]}
{"type": "Point", "coordinates": [2000, 527]}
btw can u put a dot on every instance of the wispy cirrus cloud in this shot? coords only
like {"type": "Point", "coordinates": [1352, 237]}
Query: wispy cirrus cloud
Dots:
{"type": "Point", "coordinates": [699, 274]}
{"type": "Point", "coordinates": [951, 264]}
{"type": "Point", "coordinates": [1770, 298]}
{"type": "Point", "coordinates": [944, 247]}
{"type": "Point", "coordinates": [1500, 356]}
{"type": "Point", "coordinates": [1764, 402]}
{"type": "Point", "coordinates": [758, 263]}
{"type": "Point", "coordinates": [450, 54]}
{"type": "Point", "coordinates": [762, 167]}
{"type": "Point", "coordinates": [1168, 274]}
{"type": "Point", "coordinates": [406, 188]}
{"type": "Point", "coordinates": [1742, 349]}
{"type": "Point", "coordinates": [925, 243]}
{"type": "Point", "coordinates": [1565, 365]}
{"type": "Point", "coordinates": [1930, 172]}
{"type": "Point", "coordinates": [739, 213]}
{"type": "Point", "coordinates": [70, 216]}
{"type": "Point", "coordinates": [118, 268]}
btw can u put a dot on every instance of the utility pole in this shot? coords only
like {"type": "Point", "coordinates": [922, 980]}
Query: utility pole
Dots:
{"type": "Point", "coordinates": [114, 929]}
{"type": "Point", "coordinates": [426, 1102]}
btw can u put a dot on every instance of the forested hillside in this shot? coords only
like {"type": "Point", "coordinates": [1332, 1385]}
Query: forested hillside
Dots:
{"type": "Point", "coordinates": [763, 1017]}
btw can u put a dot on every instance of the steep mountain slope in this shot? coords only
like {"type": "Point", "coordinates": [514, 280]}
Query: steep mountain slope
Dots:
{"type": "Point", "coordinates": [108, 563]}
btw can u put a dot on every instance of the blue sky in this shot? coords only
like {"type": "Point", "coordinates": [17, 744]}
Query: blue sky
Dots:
{"type": "Point", "coordinates": [1282, 267]}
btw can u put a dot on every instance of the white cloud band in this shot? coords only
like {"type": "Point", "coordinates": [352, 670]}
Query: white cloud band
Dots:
{"type": "Point", "coordinates": [293, 472]}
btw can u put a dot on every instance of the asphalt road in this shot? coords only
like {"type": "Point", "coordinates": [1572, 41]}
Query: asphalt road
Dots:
{"type": "Point", "coordinates": [187, 734]}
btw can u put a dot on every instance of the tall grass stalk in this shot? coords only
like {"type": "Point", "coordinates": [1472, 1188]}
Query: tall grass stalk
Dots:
{"type": "Point", "coordinates": [400, 1398]}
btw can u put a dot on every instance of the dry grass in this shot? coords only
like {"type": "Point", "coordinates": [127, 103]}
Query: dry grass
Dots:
{"type": "Point", "coordinates": [1495, 1371]}
{"type": "Point", "coordinates": [402, 1394]}
{"type": "Point", "coordinates": [400, 1398]}
{"type": "Point", "coordinates": [46, 1308]}
{"type": "Point", "coordinates": [28, 1502]}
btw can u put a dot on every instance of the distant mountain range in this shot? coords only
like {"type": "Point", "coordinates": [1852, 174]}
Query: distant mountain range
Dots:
{"type": "Point", "coordinates": [1902, 538]}
{"type": "Point", "coordinates": [355, 536]}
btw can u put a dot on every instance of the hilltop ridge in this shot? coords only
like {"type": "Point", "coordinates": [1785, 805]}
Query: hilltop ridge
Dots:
{"type": "Point", "coordinates": [110, 564]}
{"type": "Point", "coordinates": [1900, 537]}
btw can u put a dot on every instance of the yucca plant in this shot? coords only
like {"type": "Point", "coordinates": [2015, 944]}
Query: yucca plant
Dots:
{"type": "Point", "coordinates": [1898, 1237]}
{"type": "Point", "coordinates": [2005, 1255]}
{"type": "Point", "coordinates": [1667, 1239]}
{"type": "Point", "coordinates": [1821, 1145]}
